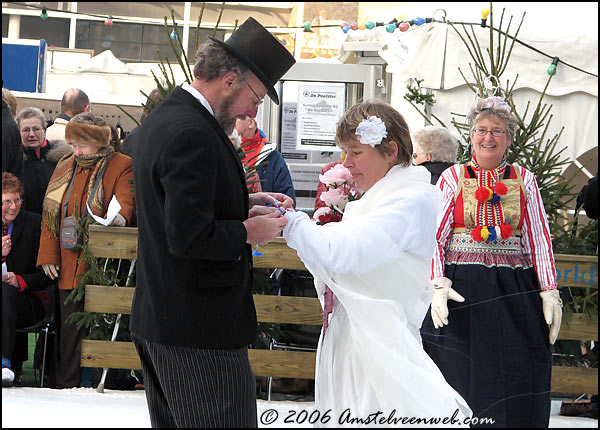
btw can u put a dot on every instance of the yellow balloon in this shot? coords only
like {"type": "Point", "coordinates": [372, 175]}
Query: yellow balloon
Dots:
{"type": "Point", "coordinates": [485, 12]}
{"type": "Point", "coordinates": [361, 26]}
{"type": "Point", "coordinates": [402, 17]}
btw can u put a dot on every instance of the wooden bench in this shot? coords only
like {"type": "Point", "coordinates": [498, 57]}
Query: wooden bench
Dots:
{"type": "Point", "coordinates": [121, 242]}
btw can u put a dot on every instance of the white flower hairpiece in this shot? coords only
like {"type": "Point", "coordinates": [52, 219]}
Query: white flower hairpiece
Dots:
{"type": "Point", "coordinates": [496, 102]}
{"type": "Point", "coordinates": [371, 131]}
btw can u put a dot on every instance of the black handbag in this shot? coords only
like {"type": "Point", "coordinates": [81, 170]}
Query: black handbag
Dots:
{"type": "Point", "coordinates": [70, 236]}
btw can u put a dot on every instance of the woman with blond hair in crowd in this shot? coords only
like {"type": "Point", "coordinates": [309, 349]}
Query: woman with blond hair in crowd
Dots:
{"type": "Point", "coordinates": [89, 178]}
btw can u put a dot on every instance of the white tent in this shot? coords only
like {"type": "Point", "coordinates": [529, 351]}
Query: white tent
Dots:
{"type": "Point", "coordinates": [434, 52]}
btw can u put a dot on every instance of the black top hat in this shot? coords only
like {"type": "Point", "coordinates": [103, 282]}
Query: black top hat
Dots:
{"type": "Point", "coordinates": [258, 49]}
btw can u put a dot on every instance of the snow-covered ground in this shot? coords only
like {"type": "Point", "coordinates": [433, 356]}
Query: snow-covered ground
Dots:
{"type": "Point", "coordinates": [84, 407]}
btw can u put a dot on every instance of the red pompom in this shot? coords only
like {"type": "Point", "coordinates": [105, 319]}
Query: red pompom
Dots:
{"type": "Point", "coordinates": [500, 188]}
{"type": "Point", "coordinates": [476, 234]}
{"type": "Point", "coordinates": [505, 231]}
{"type": "Point", "coordinates": [483, 194]}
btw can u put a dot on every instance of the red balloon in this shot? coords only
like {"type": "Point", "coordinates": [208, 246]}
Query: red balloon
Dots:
{"type": "Point", "coordinates": [403, 26]}
{"type": "Point", "coordinates": [108, 22]}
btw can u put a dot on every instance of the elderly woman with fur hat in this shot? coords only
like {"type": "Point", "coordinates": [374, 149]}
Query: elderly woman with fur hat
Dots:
{"type": "Point", "coordinates": [90, 177]}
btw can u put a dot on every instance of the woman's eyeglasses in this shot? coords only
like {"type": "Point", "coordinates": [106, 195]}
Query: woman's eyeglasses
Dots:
{"type": "Point", "coordinates": [17, 202]}
{"type": "Point", "coordinates": [483, 131]}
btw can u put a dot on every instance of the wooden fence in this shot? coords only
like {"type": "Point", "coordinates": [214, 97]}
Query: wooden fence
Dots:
{"type": "Point", "coordinates": [121, 242]}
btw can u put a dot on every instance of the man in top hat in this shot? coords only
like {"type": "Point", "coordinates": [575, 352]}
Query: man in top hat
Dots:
{"type": "Point", "coordinates": [193, 316]}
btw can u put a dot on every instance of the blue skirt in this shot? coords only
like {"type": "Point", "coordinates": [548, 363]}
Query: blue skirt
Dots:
{"type": "Point", "coordinates": [496, 353]}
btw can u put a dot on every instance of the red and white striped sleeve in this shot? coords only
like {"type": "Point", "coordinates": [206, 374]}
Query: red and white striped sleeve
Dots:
{"type": "Point", "coordinates": [535, 234]}
{"type": "Point", "coordinates": [448, 183]}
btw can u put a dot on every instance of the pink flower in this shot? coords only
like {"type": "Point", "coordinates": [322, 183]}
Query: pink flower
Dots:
{"type": "Point", "coordinates": [335, 198]}
{"type": "Point", "coordinates": [336, 176]}
{"type": "Point", "coordinates": [321, 211]}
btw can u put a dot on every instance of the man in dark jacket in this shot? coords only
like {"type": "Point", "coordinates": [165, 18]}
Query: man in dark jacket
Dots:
{"type": "Point", "coordinates": [12, 150]}
{"type": "Point", "coordinates": [193, 316]}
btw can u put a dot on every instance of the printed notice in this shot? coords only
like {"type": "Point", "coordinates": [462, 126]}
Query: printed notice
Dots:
{"type": "Point", "coordinates": [319, 109]}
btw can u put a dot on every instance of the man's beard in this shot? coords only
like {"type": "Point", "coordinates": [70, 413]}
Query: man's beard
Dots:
{"type": "Point", "coordinates": [222, 115]}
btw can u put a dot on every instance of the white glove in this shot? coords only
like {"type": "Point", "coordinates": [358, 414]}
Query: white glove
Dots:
{"type": "Point", "coordinates": [552, 307]}
{"type": "Point", "coordinates": [439, 303]}
{"type": "Point", "coordinates": [51, 270]}
{"type": "Point", "coordinates": [118, 221]}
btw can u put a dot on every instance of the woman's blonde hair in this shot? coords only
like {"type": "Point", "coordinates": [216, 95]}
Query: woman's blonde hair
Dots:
{"type": "Point", "coordinates": [395, 124]}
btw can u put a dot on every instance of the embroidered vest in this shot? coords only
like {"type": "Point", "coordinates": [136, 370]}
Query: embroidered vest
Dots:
{"type": "Point", "coordinates": [477, 213]}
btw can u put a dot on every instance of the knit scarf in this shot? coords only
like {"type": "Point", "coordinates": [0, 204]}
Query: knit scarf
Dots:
{"type": "Point", "coordinates": [52, 206]}
{"type": "Point", "coordinates": [252, 148]}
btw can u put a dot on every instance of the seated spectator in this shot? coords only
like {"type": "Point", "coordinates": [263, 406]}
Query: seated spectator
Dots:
{"type": "Point", "coordinates": [39, 157]}
{"type": "Point", "coordinates": [436, 150]}
{"type": "Point", "coordinates": [273, 173]}
{"type": "Point", "coordinates": [90, 176]}
{"type": "Point", "coordinates": [24, 299]}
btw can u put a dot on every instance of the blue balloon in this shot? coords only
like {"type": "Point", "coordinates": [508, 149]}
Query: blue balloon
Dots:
{"type": "Point", "coordinates": [419, 21]}
{"type": "Point", "coordinates": [346, 29]}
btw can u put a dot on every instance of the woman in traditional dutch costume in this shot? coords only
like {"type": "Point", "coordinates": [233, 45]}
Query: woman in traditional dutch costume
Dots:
{"type": "Point", "coordinates": [494, 261]}
{"type": "Point", "coordinates": [371, 367]}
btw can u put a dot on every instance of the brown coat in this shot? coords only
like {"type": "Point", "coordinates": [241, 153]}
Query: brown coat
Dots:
{"type": "Point", "coordinates": [118, 181]}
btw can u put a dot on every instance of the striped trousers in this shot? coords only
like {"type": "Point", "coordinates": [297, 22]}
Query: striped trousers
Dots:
{"type": "Point", "coordinates": [192, 387]}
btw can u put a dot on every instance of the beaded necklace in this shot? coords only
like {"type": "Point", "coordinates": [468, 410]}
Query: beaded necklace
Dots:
{"type": "Point", "coordinates": [489, 207]}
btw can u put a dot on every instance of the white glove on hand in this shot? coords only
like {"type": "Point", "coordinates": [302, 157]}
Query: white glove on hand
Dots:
{"type": "Point", "coordinates": [118, 221]}
{"type": "Point", "coordinates": [552, 307]}
{"type": "Point", "coordinates": [51, 270]}
{"type": "Point", "coordinates": [439, 303]}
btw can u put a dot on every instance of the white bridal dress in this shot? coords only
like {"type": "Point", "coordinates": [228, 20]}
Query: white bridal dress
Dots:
{"type": "Point", "coordinates": [377, 262]}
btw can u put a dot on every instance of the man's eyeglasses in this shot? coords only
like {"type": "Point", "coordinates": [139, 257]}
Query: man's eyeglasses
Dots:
{"type": "Point", "coordinates": [17, 202]}
{"type": "Point", "coordinates": [260, 101]}
{"type": "Point", "coordinates": [483, 131]}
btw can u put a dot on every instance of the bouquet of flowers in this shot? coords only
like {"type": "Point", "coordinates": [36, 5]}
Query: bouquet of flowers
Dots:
{"type": "Point", "coordinates": [339, 191]}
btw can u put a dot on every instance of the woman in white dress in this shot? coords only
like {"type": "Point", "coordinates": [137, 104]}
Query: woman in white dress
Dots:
{"type": "Point", "coordinates": [371, 366]}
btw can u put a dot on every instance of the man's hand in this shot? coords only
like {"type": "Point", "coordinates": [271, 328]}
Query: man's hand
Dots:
{"type": "Point", "coordinates": [262, 229]}
{"type": "Point", "coordinates": [262, 210]}
{"type": "Point", "coordinates": [264, 199]}
{"type": "Point", "coordinates": [51, 270]}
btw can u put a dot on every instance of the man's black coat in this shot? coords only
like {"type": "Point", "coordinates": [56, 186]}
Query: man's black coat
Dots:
{"type": "Point", "coordinates": [194, 267]}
